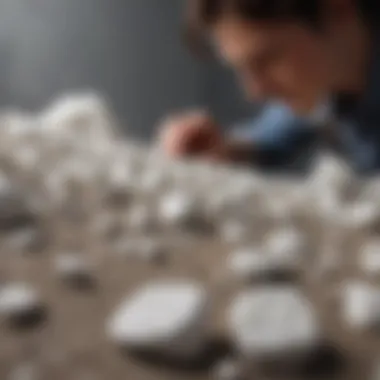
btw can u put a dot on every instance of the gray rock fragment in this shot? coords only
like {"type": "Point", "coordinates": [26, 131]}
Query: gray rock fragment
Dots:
{"type": "Point", "coordinates": [19, 302]}
{"type": "Point", "coordinates": [73, 269]}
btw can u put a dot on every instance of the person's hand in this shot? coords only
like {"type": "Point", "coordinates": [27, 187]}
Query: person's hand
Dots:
{"type": "Point", "coordinates": [193, 134]}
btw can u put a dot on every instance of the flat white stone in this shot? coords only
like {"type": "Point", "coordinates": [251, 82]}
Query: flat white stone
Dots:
{"type": "Point", "coordinates": [168, 316]}
{"type": "Point", "coordinates": [361, 305]}
{"type": "Point", "coordinates": [272, 320]}
{"type": "Point", "coordinates": [18, 300]}
{"type": "Point", "coordinates": [370, 257]}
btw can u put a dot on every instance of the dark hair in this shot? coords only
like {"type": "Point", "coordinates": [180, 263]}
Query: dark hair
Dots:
{"type": "Point", "coordinates": [202, 14]}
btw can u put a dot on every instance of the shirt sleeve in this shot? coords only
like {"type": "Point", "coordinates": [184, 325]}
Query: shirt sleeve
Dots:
{"type": "Point", "coordinates": [280, 139]}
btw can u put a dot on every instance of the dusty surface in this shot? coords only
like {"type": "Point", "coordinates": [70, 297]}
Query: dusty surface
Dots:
{"type": "Point", "coordinates": [70, 342]}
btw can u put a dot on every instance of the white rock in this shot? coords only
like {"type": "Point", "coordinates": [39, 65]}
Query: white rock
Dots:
{"type": "Point", "coordinates": [285, 250]}
{"type": "Point", "coordinates": [72, 267]}
{"type": "Point", "coordinates": [79, 113]}
{"type": "Point", "coordinates": [361, 215]}
{"type": "Point", "coordinates": [18, 300]}
{"type": "Point", "coordinates": [327, 184]}
{"type": "Point", "coordinates": [370, 257]}
{"type": "Point", "coordinates": [17, 123]}
{"type": "Point", "coordinates": [272, 321]}
{"type": "Point", "coordinates": [361, 305]}
{"type": "Point", "coordinates": [24, 239]}
{"type": "Point", "coordinates": [330, 171]}
{"type": "Point", "coordinates": [228, 369]}
{"type": "Point", "coordinates": [168, 316]}
{"type": "Point", "coordinates": [176, 208]}
{"type": "Point", "coordinates": [286, 241]}
{"type": "Point", "coordinates": [248, 263]}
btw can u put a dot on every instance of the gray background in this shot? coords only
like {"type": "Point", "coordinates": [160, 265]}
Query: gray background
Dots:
{"type": "Point", "coordinates": [128, 49]}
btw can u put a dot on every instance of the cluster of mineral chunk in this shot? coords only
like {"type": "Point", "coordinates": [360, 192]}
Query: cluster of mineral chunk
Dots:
{"type": "Point", "coordinates": [113, 208]}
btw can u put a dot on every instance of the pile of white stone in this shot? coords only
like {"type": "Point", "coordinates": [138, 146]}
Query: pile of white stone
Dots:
{"type": "Point", "coordinates": [72, 156]}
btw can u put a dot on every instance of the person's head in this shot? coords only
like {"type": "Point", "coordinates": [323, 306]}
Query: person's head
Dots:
{"type": "Point", "coordinates": [295, 51]}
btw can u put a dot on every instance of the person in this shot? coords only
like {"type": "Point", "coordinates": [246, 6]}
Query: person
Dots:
{"type": "Point", "coordinates": [295, 55]}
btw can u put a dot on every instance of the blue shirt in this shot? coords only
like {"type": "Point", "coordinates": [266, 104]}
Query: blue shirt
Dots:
{"type": "Point", "coordinates": [284, 141]}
